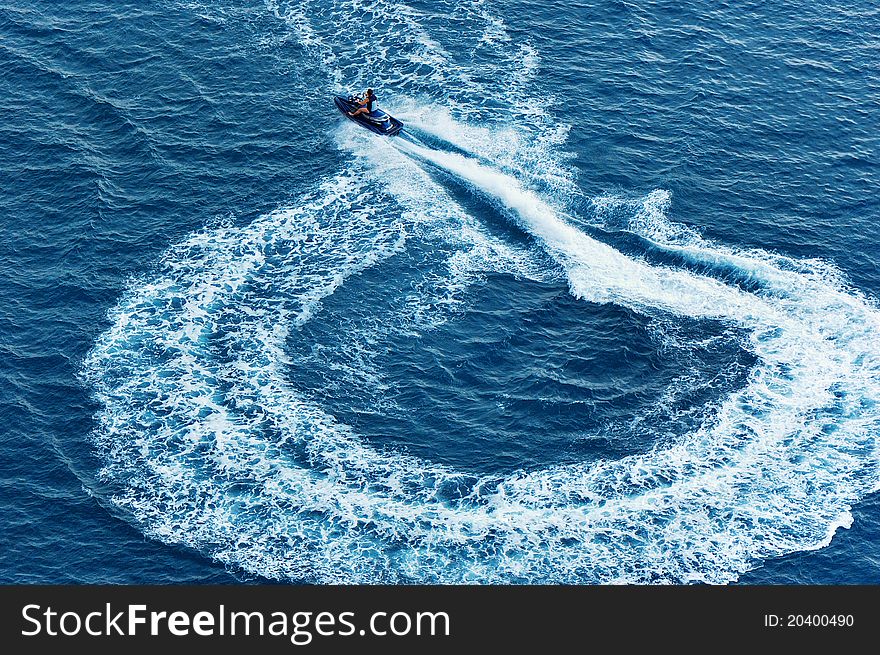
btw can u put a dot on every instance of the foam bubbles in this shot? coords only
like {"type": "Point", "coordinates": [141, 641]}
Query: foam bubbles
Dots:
{"type": "Point", "coordinates": [207, 440]}
{"type": "Point", "coordinates": [221, 453]}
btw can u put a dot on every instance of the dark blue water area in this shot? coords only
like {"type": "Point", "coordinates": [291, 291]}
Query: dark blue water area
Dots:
{"type": "Point", "coordinates": [525, 359]}
{"type": "Point", "coordinates": [755, 115]}
{"type": "Point", "coordinates": [125, 127]}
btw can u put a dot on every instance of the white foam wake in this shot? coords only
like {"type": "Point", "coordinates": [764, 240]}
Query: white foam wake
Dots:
{"type": "Point", "coordinates": [222, 454]}
{"type": "Point", "coordinates": [207, 441]}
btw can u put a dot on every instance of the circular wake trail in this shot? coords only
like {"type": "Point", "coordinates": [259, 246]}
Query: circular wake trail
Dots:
{"type": "Point", "coordinates": [207, 442]}
{"type": "Point", "coordinates": [223, 455]}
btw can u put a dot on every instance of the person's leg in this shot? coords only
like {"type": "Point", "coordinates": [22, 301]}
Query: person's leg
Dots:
{"type": "Point", "coordinates": [362, 110]}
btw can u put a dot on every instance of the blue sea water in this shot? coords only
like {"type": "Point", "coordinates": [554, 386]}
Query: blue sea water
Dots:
{"type": "Point", "coordinates": [606, 313]}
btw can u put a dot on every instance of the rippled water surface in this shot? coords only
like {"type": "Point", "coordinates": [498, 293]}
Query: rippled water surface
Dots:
{"type": "Point", "coordinates": [605, 312]}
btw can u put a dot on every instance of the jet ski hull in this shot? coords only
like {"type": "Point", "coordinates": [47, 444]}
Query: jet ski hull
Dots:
{"type": "Point", "coordinates": [378, 121]}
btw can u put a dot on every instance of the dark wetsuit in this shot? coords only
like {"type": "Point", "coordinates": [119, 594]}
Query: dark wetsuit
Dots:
{"type": "Point", "coordinates": [370, 100]}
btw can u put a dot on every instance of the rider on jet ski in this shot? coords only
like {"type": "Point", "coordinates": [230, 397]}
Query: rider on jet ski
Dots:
{"type": "Point", "coordinates": [366, 103]}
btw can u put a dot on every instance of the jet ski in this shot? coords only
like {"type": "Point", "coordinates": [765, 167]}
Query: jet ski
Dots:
{"type": "Point", "coordinates": [376, 121]}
